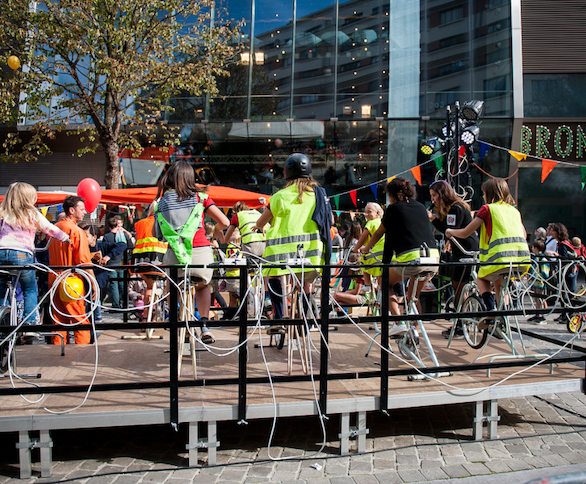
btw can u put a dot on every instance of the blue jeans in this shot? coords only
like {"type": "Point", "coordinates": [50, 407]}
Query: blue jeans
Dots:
{"type": "Point", "coordinates": [116, 288]}
{"type": "Point", "coordinates": [27, 280]}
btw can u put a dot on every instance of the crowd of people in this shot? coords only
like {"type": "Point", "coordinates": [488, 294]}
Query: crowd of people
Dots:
{"type": "Point", "coordinates": [185, 227]}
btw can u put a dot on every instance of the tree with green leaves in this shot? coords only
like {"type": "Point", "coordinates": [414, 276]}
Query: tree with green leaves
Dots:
{"type": "Point", "coordinates": [105, 70]}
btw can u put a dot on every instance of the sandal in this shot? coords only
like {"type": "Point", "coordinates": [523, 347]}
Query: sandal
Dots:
{"type": "Point", "coordinates": [207, 338]}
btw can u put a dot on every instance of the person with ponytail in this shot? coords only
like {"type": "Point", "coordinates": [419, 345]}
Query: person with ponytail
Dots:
{"type": "Point", "coordinates": [300, 218]}
{"type": "Point", "coordinates": [503, 239]}
{"type": "Point", "coordinates": [180, 217]}
{"type": "Point", "coordinates": [408, 234]}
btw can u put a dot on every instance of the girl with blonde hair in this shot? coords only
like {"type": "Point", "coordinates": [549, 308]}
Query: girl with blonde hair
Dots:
{"type": "Point", "coordinates": [19, 222]}
{"type": "Point", "coordinates": [373, 213]}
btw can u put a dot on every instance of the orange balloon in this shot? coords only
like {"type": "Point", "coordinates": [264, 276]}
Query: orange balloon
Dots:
{"type": "Point", "coordinates": [13, 62]}
{"type": "Point", "coordinates": [71, 289]}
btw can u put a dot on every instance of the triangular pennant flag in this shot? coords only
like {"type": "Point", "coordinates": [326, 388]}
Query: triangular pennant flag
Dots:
{"type": "Point", "coordinates": [44, 211]}
{"type": "Point", "coordinates": [374, 189]}
{"type": "Point", "coordinates": [439, 163]}
{"type": "Point", "coordinates": [416, 172]}
{"type": "Point", "coordinates": [583, 176]}
{"type": "Point", "coordinates": [337, 212]}
{"type": "Point", "coordinates": [353, 197]}
{"type": "Point", "coordinates": [484, 149]}
{"type": "Point", "coordinates": [518, 156]}
{"type": "Point", "coordinates": [546, 168]}
{"type": "Point", "coordinates": [461, 151]}
{"type": "Point", "coordinates": [390, 179]}
{"type": "Point", "coordinates": [59, 208]}
{"type": "Point", "coordinates": [336, 200]}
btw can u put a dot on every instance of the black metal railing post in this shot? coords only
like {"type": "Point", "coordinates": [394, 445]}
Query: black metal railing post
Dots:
{"type": "Point", "coordinates": [124, 295]}
{"type": "Point", "coordinates": [173, 350]}
{"type": "Point", "coordinates": [325, 329]}
{"type": "Point", "coordinates": [243, 348]}
{"type": "Point", "coordinates": [384, 354]}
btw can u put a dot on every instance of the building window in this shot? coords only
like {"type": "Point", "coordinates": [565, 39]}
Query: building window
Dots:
{"type": "Point", "coordinates": [451, 15]}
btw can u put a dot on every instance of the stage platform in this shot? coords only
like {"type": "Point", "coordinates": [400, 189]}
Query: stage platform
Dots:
{"type": "Point", "coordinates": [139, 361]}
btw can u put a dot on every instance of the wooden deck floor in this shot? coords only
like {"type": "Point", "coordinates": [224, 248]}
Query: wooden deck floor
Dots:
{"type": "Point", "coordinates": [148, 361]}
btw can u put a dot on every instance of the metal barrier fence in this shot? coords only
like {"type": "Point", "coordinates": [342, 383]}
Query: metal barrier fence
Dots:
{"type": "Point", "coordinates": [242, 380]}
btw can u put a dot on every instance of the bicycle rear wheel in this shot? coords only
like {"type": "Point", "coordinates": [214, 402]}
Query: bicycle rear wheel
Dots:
{"type": "Point", "coordinates": [474, 336]}
{"type": "Point", "coordinates": [4, 331]}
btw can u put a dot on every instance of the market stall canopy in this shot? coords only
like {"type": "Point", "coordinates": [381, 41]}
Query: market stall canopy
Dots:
{"type": "Point", "coordinates": [223, 196]}
{"type": "Point", "coordinates": [278, 129]}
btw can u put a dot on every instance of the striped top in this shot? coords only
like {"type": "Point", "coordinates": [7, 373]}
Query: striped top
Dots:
{"type": "Point", "coordinates": [18, 238]}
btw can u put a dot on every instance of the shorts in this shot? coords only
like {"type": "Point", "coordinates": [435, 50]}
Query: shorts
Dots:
{"type": "Point", "coordinates": [415, 269]}
{"type": "Point", "coordinates": [254, 248]}
{"type": "Point", "coordinates": [360, 299]}
{"type": "Point", "coordinates": [199, 256]}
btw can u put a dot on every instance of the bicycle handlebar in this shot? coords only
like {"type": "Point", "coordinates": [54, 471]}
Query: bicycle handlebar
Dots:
{"type": "Point", "coordinates": [469, 253]}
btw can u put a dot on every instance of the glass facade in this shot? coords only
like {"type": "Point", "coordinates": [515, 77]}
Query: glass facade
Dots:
{"type": "Point", "coordinates": [356, 84]}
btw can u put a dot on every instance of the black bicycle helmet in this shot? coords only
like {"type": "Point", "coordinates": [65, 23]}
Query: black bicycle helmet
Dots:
{"type": "Point", "coordinates": [297, 165]}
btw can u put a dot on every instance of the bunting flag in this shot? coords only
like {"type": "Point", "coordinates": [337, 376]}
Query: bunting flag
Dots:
{"type": "Point", "coordinates": [439, 163]}
{"type": "Point", "coordinates": [336, 200]}
{"type": "Point", "coordinates": [416, 172]}
{"type": "Point", "coordinates": [390, 179]}
{"type": "Point", "coordinates": [583, 176]}
{"type": "Point", "coordinates": [461, 152]}
{"type": "Point", "coordinates": [484, 149]}
{"type": "Point", "coordinates": [44, 211]}
{"type": "Point", "coordinates": [353, 197]}
{"type": "Point", "coordinates": [546, 168]}
{"type": "Point", "coordinates": [337, 212]}
{"type": "Point", "coordinates": [520, 157]}
{"type": "Point", "coordinates": [374, 189]}
{"type": "Point", "coordinates": [59, 208]}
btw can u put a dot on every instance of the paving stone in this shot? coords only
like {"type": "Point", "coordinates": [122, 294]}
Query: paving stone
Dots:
{"type": "Point", "coordinates": [407, 461]}
{"type": "Point", "coordinates": [388, 477]}
{"type": "Point", "coordinates": [411, 475]}
{"type": "Point", "coordinates": [518, 465]}
{"type": "Point", "coordinates": [454, 460]}
{"type": "Point", "coordinates": [455, 471]}
{"type": "Point", "coordinates": [365, 479]}
{"type": "Point", "coordinates": [476, 468]}
{"type": "Point", "coordinates": [128, 479]}
{"type": "Point", "coordinates": [498, 466]}
{"type": "Point", "coordinates": [341, 480]}
{"type": "Point", "coordinates": [383, 464]}
{"type": "Point", "coordinates": [434, 474]}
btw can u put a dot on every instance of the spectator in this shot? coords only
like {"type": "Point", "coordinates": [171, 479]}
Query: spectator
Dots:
{"type": "Point", "coordinates": [114, 244]}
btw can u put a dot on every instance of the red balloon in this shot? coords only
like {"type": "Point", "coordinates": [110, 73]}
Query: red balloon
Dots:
{"type": "Point", "coordinates": [89, 189]}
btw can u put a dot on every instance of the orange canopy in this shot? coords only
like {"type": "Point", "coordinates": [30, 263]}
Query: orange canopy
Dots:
{"type": "Point", "coordinates": [222, 196]}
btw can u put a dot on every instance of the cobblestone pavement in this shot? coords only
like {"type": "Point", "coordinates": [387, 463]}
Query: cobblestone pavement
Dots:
{"type": "Point", "coordinates": [537, 436]}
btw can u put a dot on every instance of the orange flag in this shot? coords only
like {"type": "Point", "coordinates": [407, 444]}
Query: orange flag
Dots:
{"type": "Point", "coordinates": [416, 172]}
{"type": "Point", "coordinates": [518, 156]}
{"type": "Point", "coordinates": [546, 168]}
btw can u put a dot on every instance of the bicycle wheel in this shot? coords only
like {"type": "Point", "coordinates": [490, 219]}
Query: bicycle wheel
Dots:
{"type": "Point", "coordinates": [408, 345]}
{"type": "Point", "coordinates": [4, 349]}
{"type": "Point", "coordinates": [575, 323]}
{"type": "Point", "coordinates": [473, 335]}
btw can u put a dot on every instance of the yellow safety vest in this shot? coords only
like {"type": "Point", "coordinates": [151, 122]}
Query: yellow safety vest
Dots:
{"type": "Point", "coordinates": [246, 220]}
{"type": "Point", "coordinates": [147, 248]}
{"type": "Point", "coordinates": [412, 255]}
{"type": "Point", "coordinates": [507, 243]}
{"type": "Point", "coordinates": [376, 254]}
{"type": "Point", "coordinates": [233, 252]}
{"type": "Point", "coordinates": [292, 226]}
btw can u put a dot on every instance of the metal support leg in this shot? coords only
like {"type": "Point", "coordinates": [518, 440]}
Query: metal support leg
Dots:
{"type": "Point", "coordinates": [212, 443]}
{"type": "Point", "coordinates": [24, 454]}
{"type": "Point", "coordinates": [192, 445]}
{"type": "Point", "coordinates": [494, 418]}
{"type": "Point", "coordinates": [491, 418]}
{"type": "Point", "coordinates": [46, 445]}
{"type": "Point", "coordinates": [344, 434]}
{"type": "Point", "coordinates": [478, 420]}
{"type": "Point", "coordinates": [362, 432]}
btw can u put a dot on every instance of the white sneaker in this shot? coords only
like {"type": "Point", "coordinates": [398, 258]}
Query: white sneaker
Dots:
{"type": "Point", "coordinates": [397, 329]}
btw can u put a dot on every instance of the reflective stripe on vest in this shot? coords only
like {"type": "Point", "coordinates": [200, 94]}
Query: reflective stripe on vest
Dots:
{"type": "Point", "coordinates": [292, 226]}
{"type": "Point", "coordinates": [246, 220]}
{"type": "Point", "coordinates": [181, 240]}
{"type": "Point", "coordinates": [507, 243]}
{"type": "Point", "coordinates": [148, 248]}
